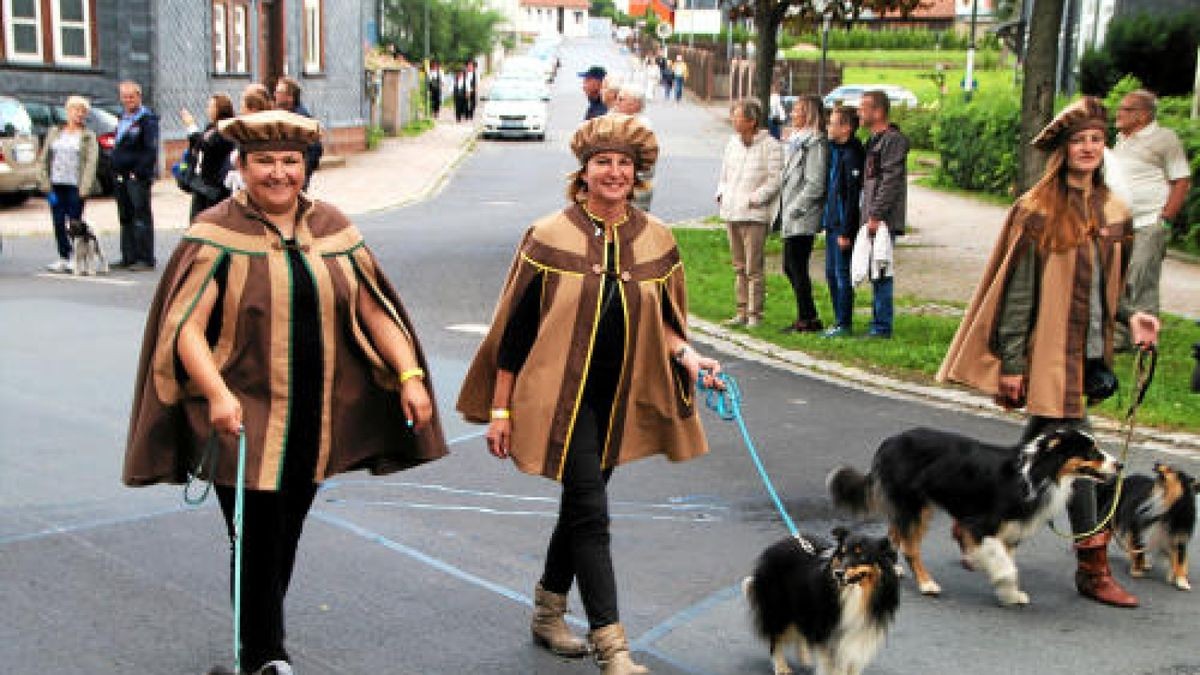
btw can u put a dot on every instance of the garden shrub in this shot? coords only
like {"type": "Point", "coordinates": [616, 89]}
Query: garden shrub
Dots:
{"type": "Point", "coordinates": [917, 124]}
{"type": "Point", "coordinates": [978, 144]}
{"type": "Point", "coordinates": [1159, 50]}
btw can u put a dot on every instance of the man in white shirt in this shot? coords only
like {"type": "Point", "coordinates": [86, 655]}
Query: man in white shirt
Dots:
{"type": "Point", "coordinates": [631, 101]}
{"type": "Point", "coordinates": [1158, 176]}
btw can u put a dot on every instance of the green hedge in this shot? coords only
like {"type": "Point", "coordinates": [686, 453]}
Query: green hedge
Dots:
{"type": "Point", "coordinates": [978, 144]}
{"type": "Point", "coordinates": [900, 38]}
{"type": "Point", "coordinates": [1159, 50]}
{"type": "Point", "coordinates": [917, 124]}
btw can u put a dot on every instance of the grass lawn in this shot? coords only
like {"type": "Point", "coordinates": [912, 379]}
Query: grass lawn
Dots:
{"type": "Point", "coordinates": [917, 81]}
{"type": "Point", "coordinates": [905, 57]}
{"type": "Point", "coordinates": [923, 330]}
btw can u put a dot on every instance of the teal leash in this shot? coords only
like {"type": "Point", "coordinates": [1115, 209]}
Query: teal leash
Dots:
{"type": "Point", "coordinates": [210, 458]}
{"type": "Point", "coordinates": [727, 405]}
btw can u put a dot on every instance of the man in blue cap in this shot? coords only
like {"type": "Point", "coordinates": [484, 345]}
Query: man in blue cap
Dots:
{"type": "Point", "coordinates": [593, 82]}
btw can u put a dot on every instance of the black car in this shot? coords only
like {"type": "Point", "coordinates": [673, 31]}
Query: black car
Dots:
{"type": "Point", "coordinates": [103, 123]}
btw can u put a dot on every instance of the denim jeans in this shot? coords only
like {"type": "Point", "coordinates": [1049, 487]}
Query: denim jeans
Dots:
{"type": "Point", "coordinates": [841, 289]}
{"type": "Point", "coordinates": [68, 204]}
{"type": "Point", "coordinates": [881, 306]}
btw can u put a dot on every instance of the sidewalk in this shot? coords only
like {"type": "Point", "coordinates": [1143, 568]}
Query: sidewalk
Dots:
{"type": "Point", "coordinates": [399, 171]}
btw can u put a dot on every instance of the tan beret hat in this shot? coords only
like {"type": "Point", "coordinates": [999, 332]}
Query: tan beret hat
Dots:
{"type": "Point", "coordinates": [271, 130]}
{"type": "Point", "coordinates": [1086, 113]}
{"type": "Point", "coordinates": [616, 132]}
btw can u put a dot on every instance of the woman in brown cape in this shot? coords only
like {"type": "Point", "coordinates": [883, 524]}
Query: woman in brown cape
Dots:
{"type": "Point", "coordinates": [273, 319]}
{"type": "Point", "coordinates": [586, 366]}
{"type": "Point", "coordinates": [1043, 315]}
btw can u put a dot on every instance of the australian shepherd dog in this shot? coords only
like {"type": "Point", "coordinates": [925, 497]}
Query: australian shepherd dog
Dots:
{"type": "Point", "coordinates": [1156, 514]}
{"type": "Point", "coordinates": [997, 495]}
{"type": "Point", "coordinates": [835, 602]}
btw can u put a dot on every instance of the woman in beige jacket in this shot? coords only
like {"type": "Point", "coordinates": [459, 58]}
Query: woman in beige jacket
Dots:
{"type": "Point", "coordinates": [751, 174]}
{"type": "Point", "coordinates": [67, 174]}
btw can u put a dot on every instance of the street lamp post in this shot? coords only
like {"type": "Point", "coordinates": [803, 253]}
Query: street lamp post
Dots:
{"type": "Point", "coordinates": [969, 78]}
{"type": "Point", "coordinates": [825, 24]}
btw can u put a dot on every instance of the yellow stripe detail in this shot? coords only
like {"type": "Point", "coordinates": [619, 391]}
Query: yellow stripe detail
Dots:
{"type": "Point", "coordinates": [562, 463]}
{"type": "Point", "coordinates": [547, 268]}
{"type": "Point", "coordinates": [624, 359]}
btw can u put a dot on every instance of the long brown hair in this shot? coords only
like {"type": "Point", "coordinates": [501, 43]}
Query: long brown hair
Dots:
{"type": "Point", "coordinates": [1066, 225]}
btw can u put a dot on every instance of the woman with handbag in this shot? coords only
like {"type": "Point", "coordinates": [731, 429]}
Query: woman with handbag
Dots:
{"type": "Point", "coordinates": [586, 367]}
{"type": "Point", "coordinates": [67, 175]}
{"type": "Point", "coordinates": [1038, 333]}
{"type": "Point", "coordinates": [210, 155]}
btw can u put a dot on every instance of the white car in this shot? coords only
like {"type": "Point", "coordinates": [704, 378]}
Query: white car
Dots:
{"type": "Point", "coordinates": [532, 66]}
{"type": "Point", "coordinates": [512, 109]}
{"type": "Point", "coordinates": [850, 95]}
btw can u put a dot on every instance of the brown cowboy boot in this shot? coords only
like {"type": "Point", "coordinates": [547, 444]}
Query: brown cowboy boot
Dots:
{"type": "Point", "coordinates": [612, 651]}
{"type": "Point", "coordinates": [1093, 578]}
{"type": "Point", "coordinates": [550, 629]}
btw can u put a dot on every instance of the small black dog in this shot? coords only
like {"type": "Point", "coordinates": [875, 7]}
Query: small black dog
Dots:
{"type": "Point", "coordinates": [1156, 514]}
{"type": "Point", "coordinates": [837, 601]}
{"type": "Point", "coordinates": [89, 258]}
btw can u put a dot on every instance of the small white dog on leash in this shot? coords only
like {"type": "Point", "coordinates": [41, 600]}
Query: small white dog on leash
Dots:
{"type": "Point", "coordinates": [89, 258]}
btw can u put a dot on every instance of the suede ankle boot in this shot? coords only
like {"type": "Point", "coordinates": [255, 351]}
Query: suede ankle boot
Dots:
{"type": "Point", "coordinates": [612, 651]}
{"type": "Point", "coordinates": [550, 629]}
{"type": "Point", "coordinates": [1093, 578]}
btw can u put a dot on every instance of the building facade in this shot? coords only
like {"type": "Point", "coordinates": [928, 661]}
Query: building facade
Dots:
{"type": "Point", "coordinates": [568, 18]}
{"type": "Point", "coordinates": [183, 51]}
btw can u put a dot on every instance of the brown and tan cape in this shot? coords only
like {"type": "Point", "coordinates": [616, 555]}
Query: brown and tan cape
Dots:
{"type": "Point", "coordinates": [362, 423]}
{"type": "Point", "coordinates": [1057, 341]}
{"type": "Point", "coordinates": [654, 410]}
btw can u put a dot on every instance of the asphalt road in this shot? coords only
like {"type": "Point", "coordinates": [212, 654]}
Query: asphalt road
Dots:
{"type": "Point", "coordinates": [430, 571]}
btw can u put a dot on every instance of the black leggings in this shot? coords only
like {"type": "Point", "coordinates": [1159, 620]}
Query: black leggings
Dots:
{"type": "Point", "coordinates": [271, 529]}
{"type": "Point", "coordinates": [1081, 509]}
{"type": "Point", "coordinates": [579, 547]}
{"type": "Point", "coordinates": [796, 252]}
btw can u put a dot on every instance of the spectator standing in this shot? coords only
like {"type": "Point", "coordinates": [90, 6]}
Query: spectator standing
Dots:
{"type": "Point", "coordinates": [609, 90]}
{"type": "Point", "coordinates": [211, 152]}
{"type": "Point", "coordinates": [433, 80]}
{"type": "Point", "coordinates": [255, 98]}
{"type": "Point", "coordinates": [1156, 170]}
{"type": "Point", "coordinates": [67, 175]}
{"type": "Point", "coordinates": [1041, 318]}
{"type": "Point", "coordinates": [679, 76]}
{"type": "Point", "coordinates": [884, 197]}
{"type": "Point", "coordinates": [472, 89]}
{"type": "Point", "coordinates": [666, 76]}
{"type": "Point", "coordinates": [134, 163]}
{"type": "Point", "coordinates": [802, 193]}
{"type": "Point", "coordinates": [460, 95]}
{"type": "Point", "coordinates": [751, 168]}
{"type": "Point", "coordinates": [651, 73]}
{"type": "Point", "coordinates": [776, 113]}
{"type": "Point", "coordinates": [287, 97]}
{"type": "Point", "coordinates": [630, 102]}
{"type": "Point", "coordinates": [840, 218]}
{"type": "Point", "coordinates": [593, 84]}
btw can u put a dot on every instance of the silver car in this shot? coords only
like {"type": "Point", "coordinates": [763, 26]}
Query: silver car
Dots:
{"type": "Point", "coordinates": [18, 153]}
{"type": "Point", "coordinates": [515, 110]}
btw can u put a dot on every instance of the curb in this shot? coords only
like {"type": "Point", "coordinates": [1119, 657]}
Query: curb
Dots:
{"type": "Point", "coordinates": [1180, 444]}
{"type": "Point", "coordinates": [438, 180]}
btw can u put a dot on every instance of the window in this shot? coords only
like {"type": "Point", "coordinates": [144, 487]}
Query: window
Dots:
{"type": "Point", "coordinates": [313, 47]}
{"type": "Point", "coordinates": [220, 58]}
{"type": "Point", "coordinates": [23, 30]}
{"type": "Point", "coordinates": [72, 31]}
{"type": "Point", "coordinates": [237, 42]}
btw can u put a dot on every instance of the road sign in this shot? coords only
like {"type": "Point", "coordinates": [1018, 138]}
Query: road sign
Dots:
{"type": "Point", "coordinates": [664, 31]}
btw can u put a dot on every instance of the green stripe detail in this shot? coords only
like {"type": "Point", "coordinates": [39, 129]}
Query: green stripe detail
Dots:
{"type": "Point", "coordinates": [222, 247]}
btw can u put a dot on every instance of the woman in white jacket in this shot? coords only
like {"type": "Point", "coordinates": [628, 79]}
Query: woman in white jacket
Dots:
{"type": "Point", "coordinates": [751, 172]}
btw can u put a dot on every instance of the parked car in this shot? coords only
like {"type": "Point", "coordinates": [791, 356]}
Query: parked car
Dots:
{"type": "Point", "coordinates": [18, 153]}
{"type": "Point", "coordinates": [514, 65]}
{"type": "Point", "coordinates": [851, 95]}
{"type": "Point", "coordinates": [512, 109]}
{"type": "Point", "coordinates": [45, 115]}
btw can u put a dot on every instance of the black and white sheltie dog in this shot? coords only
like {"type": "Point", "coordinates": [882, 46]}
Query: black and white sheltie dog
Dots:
{"type": "Point", "coordinates": [998, 495]}
{"type": "Point", "coordinates": [89, 257]}
{"type": "Point", "coordinates": [1156, 514]}
{"type": "Point", "coordinates": [836, 602]}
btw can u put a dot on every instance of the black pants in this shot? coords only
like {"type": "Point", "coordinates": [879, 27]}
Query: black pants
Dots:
{"type": "Point", "coordinates": [271, 530]}
{"type": "Point", "coordinates": [796, 252]}
{"type": "Point", "coordinates": [1081, 509]}
{"type": "Point", "coordinates": [137, 221]}
{"type": "Point", "coordinates": [579, 547]}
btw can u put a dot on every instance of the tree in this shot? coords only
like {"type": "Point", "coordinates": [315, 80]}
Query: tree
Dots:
{"type": "Point", "coordinates": [458, 29]}
{"type": "Point", "coordinates": [1037, 91]}
{"type": "Point", "coordinates": [770, 15]}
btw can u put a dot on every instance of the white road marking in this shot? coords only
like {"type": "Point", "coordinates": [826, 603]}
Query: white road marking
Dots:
{"type": "Point", "coordinates": [473, 328]}
{"type": "Point", "coordinates": [88, 279]}
{"type": "Point", "coordinates": [499, 202]}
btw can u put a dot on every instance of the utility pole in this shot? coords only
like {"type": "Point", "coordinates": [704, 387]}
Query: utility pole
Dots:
{"type": "Point", "coordinates": [825, 25]}
{"type": "Point", "coordinates": [426, 30]}
{"type": "Point", "coordinates": [969, 78]}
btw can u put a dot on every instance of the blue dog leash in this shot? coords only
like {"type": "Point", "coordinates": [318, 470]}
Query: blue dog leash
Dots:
{"type": "Point", "coordinates": [727, 404]}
